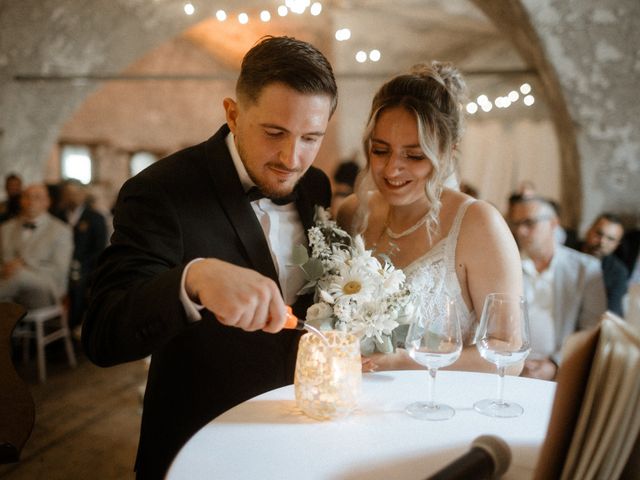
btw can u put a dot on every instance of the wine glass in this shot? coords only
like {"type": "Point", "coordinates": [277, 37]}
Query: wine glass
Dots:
{"type": "Point", "coordinates": [502, 339]}
{"type": "Point", "coordinates": [435, 342]}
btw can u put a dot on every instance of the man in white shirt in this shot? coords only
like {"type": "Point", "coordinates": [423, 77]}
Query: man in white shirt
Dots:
{"type": "Point", "coordinates": [35, 253]}
{"type": "Point", "coordinates": [564, 288]}
{"type": "Point", "coordinates": [198, 271]}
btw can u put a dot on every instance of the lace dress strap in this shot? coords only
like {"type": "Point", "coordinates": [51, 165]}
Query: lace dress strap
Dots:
{"type": "Point", "coordinates": [452, 237]}
{"type": "Point", "coordinates": [452, 285]}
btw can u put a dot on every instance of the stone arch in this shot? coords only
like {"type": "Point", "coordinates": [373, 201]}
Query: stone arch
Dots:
{"type": "Point", "coordinates": [511, 17]}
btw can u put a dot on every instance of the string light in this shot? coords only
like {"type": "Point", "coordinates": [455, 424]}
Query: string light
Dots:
{"type": "Point", "coordinates": [374, 55]}
{"type": "Point", "coordinates": [343, 34]}
{"type": "Point", "coordinates": [189, 9]}
{"type": "Point", "coordinates": [316, 9]}
{"type": "Point", "coordinates": [221, 15]}
{"type": "Point", "coordinates": [525, 88]}
{"type": "Point", "coordinates": [265, 16]}
{"type": "Point", "coordinates": [283, 10]}
{"type": "Point", "coordinates": [361, 56]}
{"type": "Point", "coordinates": [243, 18]}
{"type": "Point", "coordinates": [504, 101]}
{"type": "Point", "coordinates": [297, 6]}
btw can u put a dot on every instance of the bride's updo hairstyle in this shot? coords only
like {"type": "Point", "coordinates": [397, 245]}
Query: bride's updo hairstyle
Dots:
{"type": "Point", "coordinates": [434, 93]}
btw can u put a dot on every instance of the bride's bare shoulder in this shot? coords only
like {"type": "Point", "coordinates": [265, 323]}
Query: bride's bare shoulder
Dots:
{"type": "Point", "coordinates": [347, 212]}
{"type": "Point", "coordinates": [347, 215]}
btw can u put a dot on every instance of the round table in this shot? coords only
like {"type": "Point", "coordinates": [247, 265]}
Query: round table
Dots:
{"type": "Point", "coordinates": [269, 437]}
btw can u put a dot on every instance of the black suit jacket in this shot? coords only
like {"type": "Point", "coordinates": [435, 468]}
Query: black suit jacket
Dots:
{"type": "Point", "coordinates": [188, 205]}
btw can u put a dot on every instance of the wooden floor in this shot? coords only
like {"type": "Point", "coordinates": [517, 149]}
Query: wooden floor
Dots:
{"type": "Point", "coordinates": [87, 422]}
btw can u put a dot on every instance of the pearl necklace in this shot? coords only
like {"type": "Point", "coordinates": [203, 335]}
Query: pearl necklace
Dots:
{"type": "Point", "coordinates": [391, 234]}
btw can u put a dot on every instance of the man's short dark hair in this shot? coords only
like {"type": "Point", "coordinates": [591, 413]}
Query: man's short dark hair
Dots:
{"type": "Point", "coordinates": [346, 173]}
{"type": "Point", "coordinates": [610, 217]}
{"type": "Point", "coordinates": [12, 176]}
{"type": "Point", "coordinates": [296, 64]}
{"type": "Point", "coordinates": [546, 203]}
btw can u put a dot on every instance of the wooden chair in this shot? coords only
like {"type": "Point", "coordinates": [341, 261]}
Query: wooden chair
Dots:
{"type": "Point", "coordinates": [17, 411]}
{"type": "Point", "coordinates": [46, 325]}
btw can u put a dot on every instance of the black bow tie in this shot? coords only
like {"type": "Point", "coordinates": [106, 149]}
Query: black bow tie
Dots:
{"type": "Point", "coordinates": [29, 225]}
{"type": "Point", "coordinates": [254, 193]}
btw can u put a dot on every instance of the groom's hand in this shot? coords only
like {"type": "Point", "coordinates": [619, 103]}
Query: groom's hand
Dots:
{"type": "Point", "coordinates": [238, 297]}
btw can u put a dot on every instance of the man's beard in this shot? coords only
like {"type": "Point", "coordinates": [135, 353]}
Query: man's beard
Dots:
{"type": "Point", "coordinates": [264, 188]}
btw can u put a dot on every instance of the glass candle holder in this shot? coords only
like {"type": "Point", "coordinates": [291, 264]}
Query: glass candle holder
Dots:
{"type": "Point", "coordinates": [328, 375]}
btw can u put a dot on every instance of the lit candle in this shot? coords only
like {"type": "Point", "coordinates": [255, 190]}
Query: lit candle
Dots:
{"type": "Point", "coordinates": [328, 376]}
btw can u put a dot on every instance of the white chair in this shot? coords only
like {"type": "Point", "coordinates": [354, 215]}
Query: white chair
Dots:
{"type": "Point", "coordinates": [46, 325]}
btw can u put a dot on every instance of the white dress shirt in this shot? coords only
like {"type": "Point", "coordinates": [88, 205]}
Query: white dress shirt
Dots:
{"type": "Point", "coordinates": [538, 288]}
{"type": "Point", "coordinates": [282, 229]}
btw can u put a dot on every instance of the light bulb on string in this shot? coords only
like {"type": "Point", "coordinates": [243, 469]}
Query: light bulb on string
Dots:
{"type": "Point", "coordinates": [189, 9]}
{"type": "Point", "coordinates": [265, 16]}
{"type": "Point", "coordinates": [316, 9]}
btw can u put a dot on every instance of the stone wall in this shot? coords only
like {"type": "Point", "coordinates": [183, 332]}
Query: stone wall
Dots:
{"type": "Point", "coordinates": [586, 53]}
{"type": "Point", "coordinates": [595, 49]}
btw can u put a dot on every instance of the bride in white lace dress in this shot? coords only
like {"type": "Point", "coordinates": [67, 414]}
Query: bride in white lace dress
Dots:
{"type": "Point", "coordinates": [448, 244]}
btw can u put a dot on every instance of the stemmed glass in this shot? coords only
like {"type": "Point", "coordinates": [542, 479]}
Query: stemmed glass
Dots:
{"type": "Point", "coordinates": [434, 342]}
{"type": "Point", "coordinates": [502, 339]}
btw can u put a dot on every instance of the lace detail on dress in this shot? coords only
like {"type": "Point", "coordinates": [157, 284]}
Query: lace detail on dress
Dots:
{"type": "Point", "coordinates": [433, 278]}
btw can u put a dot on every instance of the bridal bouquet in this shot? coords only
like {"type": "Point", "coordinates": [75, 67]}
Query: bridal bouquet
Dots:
{"type": "Point", "coordinates": [354, 291]}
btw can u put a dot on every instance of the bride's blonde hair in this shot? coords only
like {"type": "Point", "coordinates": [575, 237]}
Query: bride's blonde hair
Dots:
{"type": "Point", "coordinates": [434, 93]}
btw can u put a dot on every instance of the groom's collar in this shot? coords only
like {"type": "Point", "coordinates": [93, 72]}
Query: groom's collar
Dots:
{"type": "Point", "coordinates": [245, 180]}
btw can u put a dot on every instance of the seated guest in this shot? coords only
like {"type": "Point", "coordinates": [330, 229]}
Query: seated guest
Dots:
{"type": "Point", "coordinates": [629, 252]}
{"type": "Point", "coordinates": [11, 206]}
{"type": "Point", "coordinates": [564, 288]}
{"type": "Point", "coordinates": [344, 180]}
{"type": "Point", "coordinates": [89, 240]}
{"type": "Point", "coordinates": [602, 238]}
{"type": "Point", "coordinates": [35, 252]}
{"type": "Point", "coordinates": [469, 189]}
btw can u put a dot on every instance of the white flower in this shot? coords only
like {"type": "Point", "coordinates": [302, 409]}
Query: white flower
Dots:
{"type": "Point", "coordinates": [393, 278]}
{"type": "Point", "coordinates": [353, 282]}
{"type": "Point", "coordinates": [325, 296]}
{"type": "Point", "coordinates": [319, 311]}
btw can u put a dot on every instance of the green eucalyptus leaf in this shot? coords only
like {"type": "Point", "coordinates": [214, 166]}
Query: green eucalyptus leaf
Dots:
{"type": "Point", "coordinates": [367, 346]}
{"type": "Point", "coordinates": [309, 287]}
{"type": "Point", "coordinates": [313, 269]}
{"type": "Point", "coordinates": [386, 346]}
{"type": "Point", "coordinates": [399, 335]}
{"type": "Point", "coordinates": [300, 255]}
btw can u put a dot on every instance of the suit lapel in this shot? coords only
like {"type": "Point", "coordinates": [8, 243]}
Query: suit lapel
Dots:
{"type": "Point", "coordinates": [237, 207]}
{"type": "Point", "coordinates": [305, 207]}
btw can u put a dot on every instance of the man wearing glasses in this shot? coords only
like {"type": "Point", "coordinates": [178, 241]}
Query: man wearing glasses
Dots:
{"type": "Point", "coordinates": [564, 287]}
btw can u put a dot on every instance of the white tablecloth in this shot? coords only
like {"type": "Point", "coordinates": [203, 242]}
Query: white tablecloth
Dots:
{"type": "Point", "coordinates": [269, 438]}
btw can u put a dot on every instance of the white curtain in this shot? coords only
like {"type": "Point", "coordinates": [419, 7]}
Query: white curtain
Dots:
{"type": "Point", "coordinates": [495, 156]}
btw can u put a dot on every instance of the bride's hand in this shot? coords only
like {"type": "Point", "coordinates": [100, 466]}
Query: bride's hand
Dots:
{"type": "Point", "coordinates": [368, 364]}
{"type": "Point", "coordinates": [378, 362]}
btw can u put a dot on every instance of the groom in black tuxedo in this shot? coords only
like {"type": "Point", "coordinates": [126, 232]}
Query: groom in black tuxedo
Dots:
{"type": "Point", "coordinates": [198, 271]}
